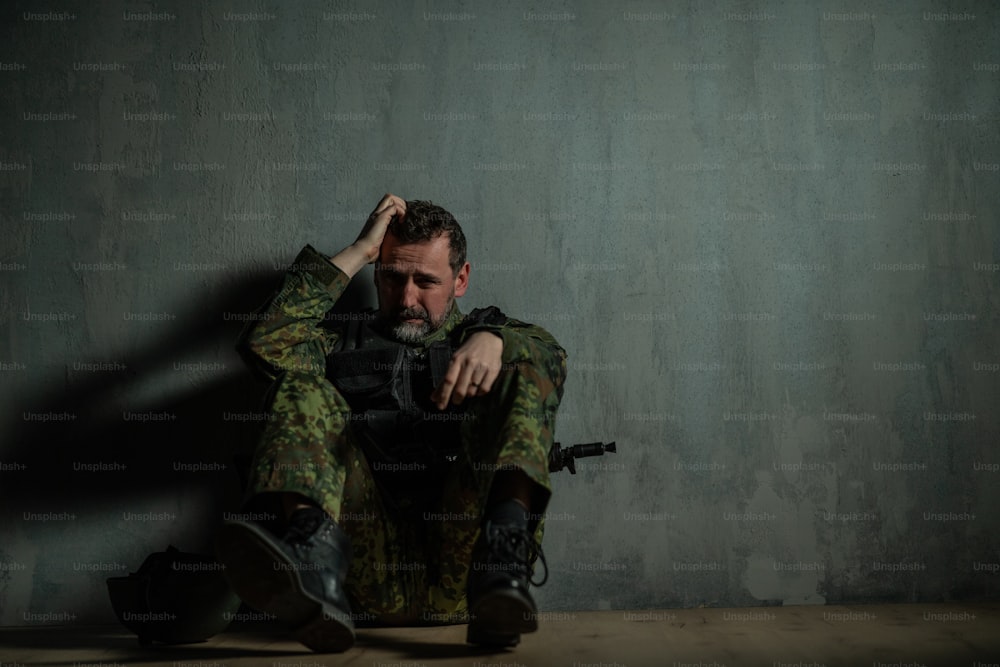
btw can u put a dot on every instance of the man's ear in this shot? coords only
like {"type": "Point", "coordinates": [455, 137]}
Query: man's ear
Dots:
{"type": "Point", "coordinates": [462, 280]}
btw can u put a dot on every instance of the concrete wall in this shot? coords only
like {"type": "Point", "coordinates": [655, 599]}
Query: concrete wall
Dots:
{"type": "Point", "coordinates": [766, 234]}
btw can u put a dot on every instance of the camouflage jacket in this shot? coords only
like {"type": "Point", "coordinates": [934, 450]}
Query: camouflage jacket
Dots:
{"type": "Point", "coordinates": [286, 333]}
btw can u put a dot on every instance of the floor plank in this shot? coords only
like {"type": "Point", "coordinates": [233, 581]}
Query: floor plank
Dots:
{"type": "Point", "coordinates": [945, 635]}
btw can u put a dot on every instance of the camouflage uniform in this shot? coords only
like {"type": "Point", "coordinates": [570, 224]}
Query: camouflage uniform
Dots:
{"type": "Point", "coordinates": [403, 571]}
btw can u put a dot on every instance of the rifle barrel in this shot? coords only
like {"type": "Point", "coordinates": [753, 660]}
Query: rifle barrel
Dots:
{"type": "Point", "coordinates": [592, 449]}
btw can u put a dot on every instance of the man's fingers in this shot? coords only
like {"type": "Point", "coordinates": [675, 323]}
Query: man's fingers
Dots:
{"type": "Point", "coordinates": [383, 218]}
{"type": "Point", "coordinates": [486, 383]}
{"type": "Point", "coordinates": [389, 201]}
{"type": "Point", "coordinates": [473, 380]}
{"type": "Point", "coordinates": [443, 392]}
{"type": "Point", "coordinates": [383, 203]}
{"type": "Point", "coordinates": [480, 382]}
{"type": "Point", "coordinates": [471, 371]}
{"type": "Point", "coordinates": [464, 386]}
{"type": "Point", "coordinates": [400, 209]}
{"type": "Point", "coordinates": [455, 385]}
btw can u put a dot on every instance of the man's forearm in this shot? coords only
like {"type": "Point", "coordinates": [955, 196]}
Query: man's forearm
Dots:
{"type": "Point", "coordinates": [350, 260]}
{"type": "Point", "coordinates": [524, 342]}
{"type": "Point", "coordinates": [284, 335]}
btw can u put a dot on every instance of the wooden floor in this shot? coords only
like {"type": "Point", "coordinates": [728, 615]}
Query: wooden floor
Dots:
{"type": "Point", "coordinates": [951, 635]}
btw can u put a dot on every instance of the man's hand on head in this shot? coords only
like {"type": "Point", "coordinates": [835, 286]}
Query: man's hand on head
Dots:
{"type": "Point", "coordinates": [365, 249]}
{"type": "Point", "coordinates": [473, 369]}
{"type": "Point", "coordinates": [370, 239]}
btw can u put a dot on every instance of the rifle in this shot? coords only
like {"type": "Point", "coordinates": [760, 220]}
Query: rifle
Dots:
{"type": "Point", "coordinates": [560, 457]}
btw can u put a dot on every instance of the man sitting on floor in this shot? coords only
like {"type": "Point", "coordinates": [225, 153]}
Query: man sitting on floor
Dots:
{"type": "Point", "coordinates": [406, 449]}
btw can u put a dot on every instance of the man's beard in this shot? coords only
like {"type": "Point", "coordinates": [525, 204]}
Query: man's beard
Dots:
{"type": "Point", "coordinates": [414, 332]}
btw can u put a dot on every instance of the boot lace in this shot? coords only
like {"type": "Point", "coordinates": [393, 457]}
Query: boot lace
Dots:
{"type": "Point", "coordinates": [511, 543]}
{"type": "Point", "coordinates": [303, 526]}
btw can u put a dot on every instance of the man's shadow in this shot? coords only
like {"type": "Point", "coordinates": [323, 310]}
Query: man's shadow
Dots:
{"type": "Point", "coordinates": [179, 451]}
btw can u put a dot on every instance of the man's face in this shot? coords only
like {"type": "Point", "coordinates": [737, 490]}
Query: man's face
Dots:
{"type": "Point", "coordinates": [416, 287]}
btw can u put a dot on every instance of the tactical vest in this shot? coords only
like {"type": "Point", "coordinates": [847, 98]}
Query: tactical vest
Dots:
{"type": "Point", "coordinates": [388, 386]}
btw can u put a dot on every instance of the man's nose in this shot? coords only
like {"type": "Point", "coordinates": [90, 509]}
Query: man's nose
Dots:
{"type": "Point", "coordinates": [408, 298]}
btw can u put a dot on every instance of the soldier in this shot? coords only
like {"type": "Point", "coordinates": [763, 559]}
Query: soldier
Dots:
{"type": "Point", "coordinates": [405, 454]}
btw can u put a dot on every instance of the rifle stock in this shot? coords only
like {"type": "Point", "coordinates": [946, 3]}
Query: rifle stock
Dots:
{"type": "Point", "coordinates": [565, 457]}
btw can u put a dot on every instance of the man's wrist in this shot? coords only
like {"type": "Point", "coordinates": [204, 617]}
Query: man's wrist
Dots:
{"type": "Point", "coordinates": [350, 260]}
{"type": "Point", "coordinates": [492, 329]}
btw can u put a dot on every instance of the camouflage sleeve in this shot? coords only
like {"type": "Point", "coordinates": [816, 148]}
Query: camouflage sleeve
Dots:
{"type": "Point", "coordinates": [523, 342]}
{"type": "Point", "coordinates": [284, 334]}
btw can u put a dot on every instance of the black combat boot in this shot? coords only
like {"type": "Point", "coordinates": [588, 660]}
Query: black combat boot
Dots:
{"type": "Point", "coordinates": [500, 606]}
{"type": "Point", "coordinates": [299, 577]}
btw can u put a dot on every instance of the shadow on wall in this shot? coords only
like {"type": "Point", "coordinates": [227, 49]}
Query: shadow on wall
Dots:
{"type": "Point", "coordinates": [184, 455]}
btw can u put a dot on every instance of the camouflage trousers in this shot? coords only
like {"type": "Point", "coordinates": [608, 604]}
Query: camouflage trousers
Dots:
{"type": "Point", "coordinates": [404, 571]}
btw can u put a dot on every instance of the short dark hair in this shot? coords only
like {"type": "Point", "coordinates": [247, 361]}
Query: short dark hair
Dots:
{"type": "Point", "coordinates": [425, 221]}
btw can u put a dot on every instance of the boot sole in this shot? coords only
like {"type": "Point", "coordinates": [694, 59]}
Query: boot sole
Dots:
{"type": "Point", "coordinates": [500, 617]}
{"type": "Point", "coordinates": [268, 580]}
